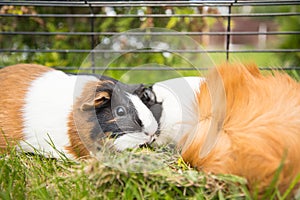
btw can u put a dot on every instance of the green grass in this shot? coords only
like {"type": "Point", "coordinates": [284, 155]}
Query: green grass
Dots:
{"type": "Point", "coordinates": [127, 175]}
{"type": "Point", "coordinates": [35, 177]}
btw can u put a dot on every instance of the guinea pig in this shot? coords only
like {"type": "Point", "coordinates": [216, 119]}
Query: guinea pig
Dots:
{"type": "Point", "coordinates": [242, 123]}
{"type": "Point", "coordinates": [42, 107]}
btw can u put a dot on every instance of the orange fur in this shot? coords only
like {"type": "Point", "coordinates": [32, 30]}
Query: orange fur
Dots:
{"type": "Point", "coordinates": [12, 100]}
{"type": "Point", "coordinates": [78, 123]}
{"type": "Point", "coordinates": [256, 126]}
{"type": "Point", "coordinates": [77, 148]}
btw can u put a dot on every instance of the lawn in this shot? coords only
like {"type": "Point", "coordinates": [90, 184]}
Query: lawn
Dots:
{"type": "Point", "coordinates": [140, 174]}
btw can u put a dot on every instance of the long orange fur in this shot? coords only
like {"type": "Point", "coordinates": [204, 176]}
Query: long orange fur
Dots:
{"type": "Point", "coordinates": [259, 127]}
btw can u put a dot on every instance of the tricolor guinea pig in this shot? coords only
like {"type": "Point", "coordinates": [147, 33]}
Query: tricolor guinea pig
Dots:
{"type": "Point", "coordinates": [42, 107]}
{"type": "Point", "coordinates": [239, 122]}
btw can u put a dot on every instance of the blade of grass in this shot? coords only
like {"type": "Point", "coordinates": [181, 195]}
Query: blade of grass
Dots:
{"type": "Point", "coordinates": [271, 190]}
{"type": "Point", "coordinates": [291, 187]}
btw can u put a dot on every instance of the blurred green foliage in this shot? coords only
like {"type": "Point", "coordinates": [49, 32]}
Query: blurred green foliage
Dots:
{"type": "Point", "coordinates": [286, 23]}
{"type": "Point", "coordinates": [119, 24]}
{"type": "Point", "coordinates": [87, 42]}
{"type": "Point", "coordinates": [291, 41]}
{"type": "Point", "coordinates": [292, 23]}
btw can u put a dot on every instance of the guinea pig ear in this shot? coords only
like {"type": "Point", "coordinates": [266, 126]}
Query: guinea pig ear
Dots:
{"type": "Point", "coordinates": [147, 96]}
{"type": "Point", "coordinates": [100, 99]}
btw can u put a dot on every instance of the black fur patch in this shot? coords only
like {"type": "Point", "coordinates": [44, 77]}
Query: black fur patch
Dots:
{"type": "Point", "coordinates": [148, 97]}
{"type": "Point", "coordinates": [107, 121]}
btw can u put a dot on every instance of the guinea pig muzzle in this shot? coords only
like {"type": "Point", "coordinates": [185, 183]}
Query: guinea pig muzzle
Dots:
{"type": "Point", "coordinates": [115, 135]}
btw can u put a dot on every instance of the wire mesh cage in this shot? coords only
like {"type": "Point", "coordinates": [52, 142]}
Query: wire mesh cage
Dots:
{"type": "Point", "coordinates": [198, 34]}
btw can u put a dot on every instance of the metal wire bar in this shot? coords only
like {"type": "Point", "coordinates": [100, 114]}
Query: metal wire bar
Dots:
{"type": "Point", "coordinates": [147, 51]}
{"type": "Point", "coordinates": [150, 33]}
{"type": "Point", "coordinates": [282, 14]}
{"type": "Point", "coordinates": [149, 3]}
{"type": "Point", "coordinates": [132, 68]}
{"type": "Point", "coordinates": [228, 35]}
{"type": "Point", "coordinates": [166, 68]}
{"type": "Point", "coordinates": [92, 23]}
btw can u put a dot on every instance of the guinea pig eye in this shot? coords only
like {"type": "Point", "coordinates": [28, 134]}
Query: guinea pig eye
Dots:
{"type": "Point", "coordinates": [120, 111]}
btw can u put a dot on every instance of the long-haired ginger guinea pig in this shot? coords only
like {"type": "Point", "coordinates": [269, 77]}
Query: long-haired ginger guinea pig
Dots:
{"type": "Point", "coordinates": [42, 107]}
{"type": "Point", "coordinates": [240, 122]}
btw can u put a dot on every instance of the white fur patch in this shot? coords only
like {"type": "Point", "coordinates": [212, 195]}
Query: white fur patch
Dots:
{"type": "Point", "coordinates": [179, 115]}
{"type": "Point", "coordinates": [145, 115]}
{"type": "Point", "coordinates": [131, 140]}
{"type": "Point", "coordinates": [48, 104]}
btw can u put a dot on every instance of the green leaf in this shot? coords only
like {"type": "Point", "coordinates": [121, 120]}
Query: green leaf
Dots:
{"type": "Point", "coordinates": [172, 23]}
